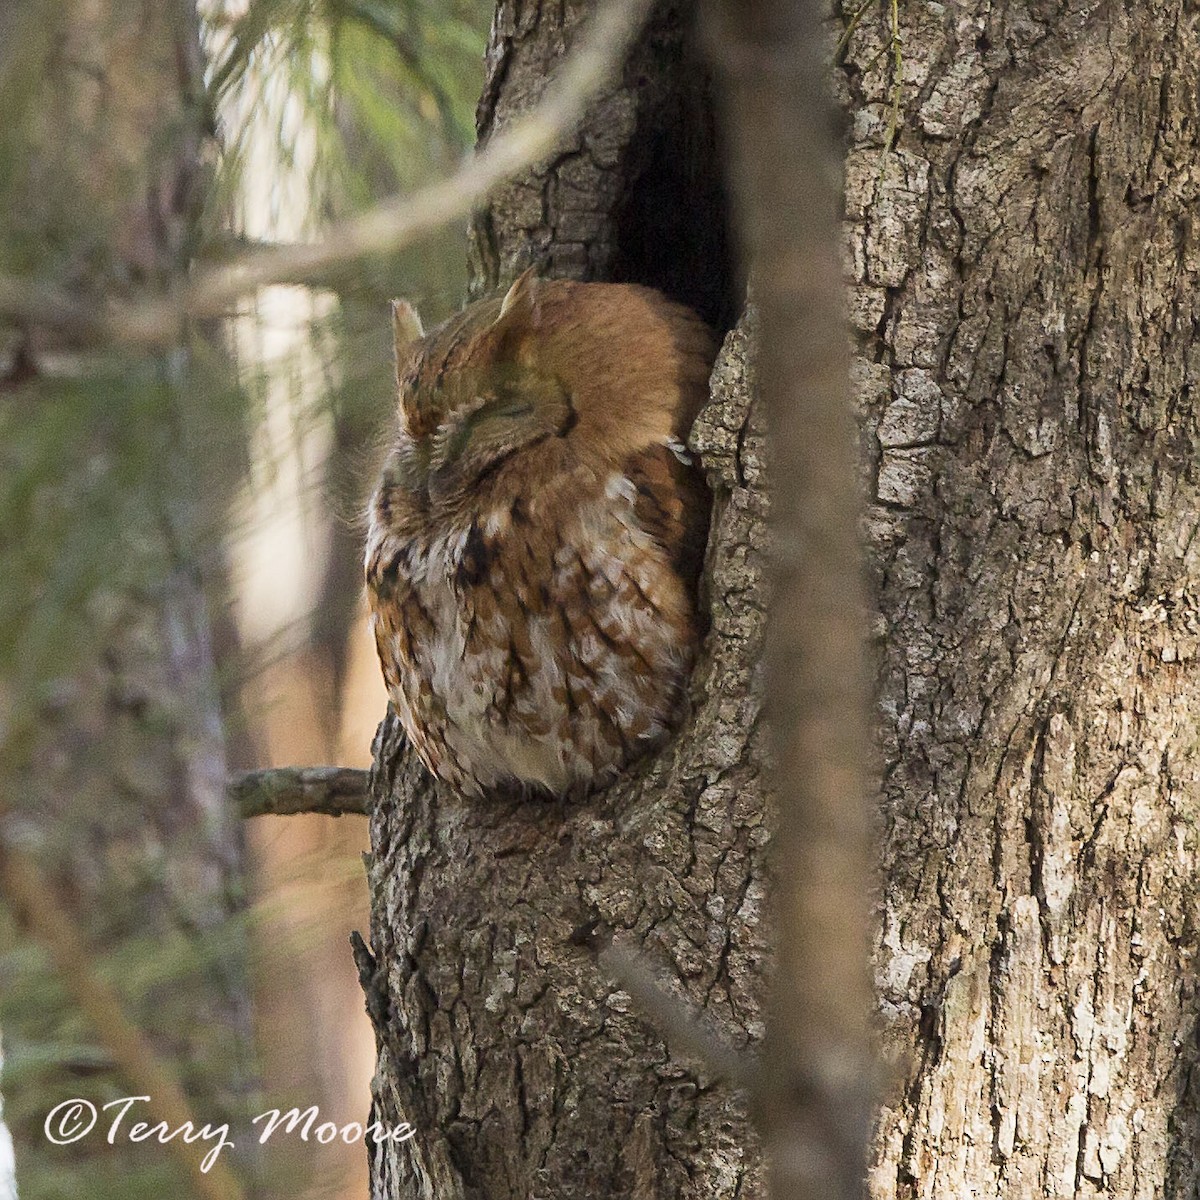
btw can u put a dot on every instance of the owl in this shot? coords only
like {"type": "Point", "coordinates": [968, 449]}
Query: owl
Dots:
{"type": "Point", "coordinates": [535, 536]}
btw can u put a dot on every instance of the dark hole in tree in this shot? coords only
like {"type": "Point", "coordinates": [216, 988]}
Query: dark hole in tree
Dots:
{"type": "Point", "coordinates": [672, 221]}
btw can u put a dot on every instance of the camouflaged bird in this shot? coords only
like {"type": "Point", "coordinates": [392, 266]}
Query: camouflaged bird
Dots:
{"type": "Point", "coordinates": [536, 534]}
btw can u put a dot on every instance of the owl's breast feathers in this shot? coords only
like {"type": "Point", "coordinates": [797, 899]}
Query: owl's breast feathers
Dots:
{"type": "Point", "coordinates": [538, 628]}
{"type": "Point", "coordinates": [548, 642]}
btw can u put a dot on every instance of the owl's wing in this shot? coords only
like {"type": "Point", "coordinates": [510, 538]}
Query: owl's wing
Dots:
{"type": "Point", "coordinates": [387, 592]}
{"type": "Point", "coordinates": [672, 505]}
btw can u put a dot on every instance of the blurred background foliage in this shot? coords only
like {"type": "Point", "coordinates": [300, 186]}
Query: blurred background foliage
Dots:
{"type": "Point", "coordinates": [179, 575]}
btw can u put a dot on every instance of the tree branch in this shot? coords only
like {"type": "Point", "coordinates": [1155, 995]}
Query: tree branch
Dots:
{"type": "Point", "coordinates": [389, 226]}
{"type": "Point", "coordinates": [684, 1027]}
{"type": "Point", "coordinates": [784, 169]}
{"type": "Point", "coordinates": [286, 791]}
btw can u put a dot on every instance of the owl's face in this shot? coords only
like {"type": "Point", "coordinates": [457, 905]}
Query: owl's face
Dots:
{"type": "Point", "coordinates": [472, 397]}
{"type": "Point", "coordinates": [510, 394]}
{"type": "Point", "coordinates": [465, 429]}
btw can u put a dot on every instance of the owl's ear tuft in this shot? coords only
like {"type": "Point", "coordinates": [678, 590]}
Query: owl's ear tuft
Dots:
{"type": "Point", "coordinates": [407, 331]}
{"type": "Point", "coordinates": [406, 325]}
{"type": "Point", "coordinates": [520, 316]}
{"type": "Point", "coordinates": [520, 304]}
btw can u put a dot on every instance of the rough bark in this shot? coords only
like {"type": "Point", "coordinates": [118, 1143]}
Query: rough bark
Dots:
{"type": "Point", "coordinates": [112, 763]}
{"type": "Point", "coordinates": [527, 1071]}
{"type": "Point", "coordinates": [1025, 270]}
{"type": "Point", "coordinates": [1026, 266]}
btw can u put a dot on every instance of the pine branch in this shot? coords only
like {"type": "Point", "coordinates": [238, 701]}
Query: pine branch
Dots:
{"type": "Point", "coordinates": [685, 1028]}
{"type": "Point", "coordinates": [785, 165]}
{"type": "Point", "coordinates": [387, 227]}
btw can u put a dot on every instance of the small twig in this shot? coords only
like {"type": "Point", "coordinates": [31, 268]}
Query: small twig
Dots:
{"type": "Point", "coordinates": [387, 227]}
{"type": "Point", "coordinates": [851, 26]}
{"type": "Point", "coordinates": [684, 1027]}
{"type": "Point", "coordinates": [286, 791]}
{"type": "Point", "coordinates": [37, 905]}
{"type": "Point", "coordinates": [893, 124]}
{"type": "Point", "coordinates": [33, 302]}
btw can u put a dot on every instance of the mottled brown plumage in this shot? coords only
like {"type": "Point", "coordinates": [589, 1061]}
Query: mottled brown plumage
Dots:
{"type": "Point", "coordinates": [537, 532]}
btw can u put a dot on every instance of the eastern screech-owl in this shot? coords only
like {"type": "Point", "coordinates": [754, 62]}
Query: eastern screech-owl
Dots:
{"type": "Point", "coordinates": [536, 533]}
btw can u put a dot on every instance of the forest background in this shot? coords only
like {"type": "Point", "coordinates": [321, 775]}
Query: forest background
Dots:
{"type": "Point", "coordinates": [181, 544]}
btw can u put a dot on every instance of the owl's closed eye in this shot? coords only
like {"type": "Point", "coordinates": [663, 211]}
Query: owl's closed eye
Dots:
{"type": "Point", "coordinates": [534, 538]}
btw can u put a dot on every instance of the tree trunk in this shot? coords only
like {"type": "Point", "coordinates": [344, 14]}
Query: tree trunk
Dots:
{"type": "Point", "coordinates": [637, 196]}
{"type": "Point", "coordinates": [1026, 279]}
{"type": "Point", "coordinates": [1024, 268]}
{"type": "Point", "coordinates": [527, 1071]}
{"type": "Point", "coordinates": [112, 762]}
